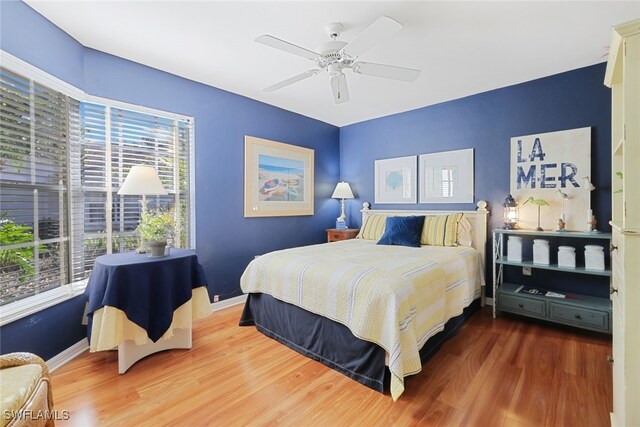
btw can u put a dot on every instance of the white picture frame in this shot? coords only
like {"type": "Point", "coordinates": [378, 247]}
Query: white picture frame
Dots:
{"type": "Point", "coordinates": [395, 180]}
{"type": "Point", "coordinates": [447, 177]}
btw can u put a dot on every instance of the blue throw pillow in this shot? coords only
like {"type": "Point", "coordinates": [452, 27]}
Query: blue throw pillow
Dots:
{"type": "Point", "coordinates": [402, 231]}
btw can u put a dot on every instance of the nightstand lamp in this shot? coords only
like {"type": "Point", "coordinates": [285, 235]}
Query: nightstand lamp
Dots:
{"type": "Point", "coordinates": [142, 180]}
{"type": "Point", "coordinates": [342, 191]}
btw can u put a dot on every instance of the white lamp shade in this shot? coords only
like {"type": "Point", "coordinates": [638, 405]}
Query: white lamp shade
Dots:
{"type": "Point", "coordinates": [142, 181]}
{"type": "Point", "coordinates": [342, 191]}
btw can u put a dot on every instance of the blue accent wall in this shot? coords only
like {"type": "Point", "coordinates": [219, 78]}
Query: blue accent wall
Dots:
{"type": "Point", "coordinates": [47, 332]}
{"type": "Point", "coordinates": [33, 38]}
{"type": "Point", "coordinates": [225, 240]}
{"type": "Point", "coordinates": [486, 122]}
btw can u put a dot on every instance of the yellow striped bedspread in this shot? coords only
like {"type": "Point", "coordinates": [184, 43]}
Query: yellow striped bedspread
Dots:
{"type": "Point", "coordinates": [394, 296]}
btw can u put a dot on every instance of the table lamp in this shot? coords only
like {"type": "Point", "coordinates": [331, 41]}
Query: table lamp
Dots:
{"type": "Point", "coordinates": [142, 180]}
{"type": "Point", "coordinates": [342, 191]}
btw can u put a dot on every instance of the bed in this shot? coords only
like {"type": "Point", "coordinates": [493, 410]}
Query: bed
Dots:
{"type": "Point", "coordinates": [373, 312]}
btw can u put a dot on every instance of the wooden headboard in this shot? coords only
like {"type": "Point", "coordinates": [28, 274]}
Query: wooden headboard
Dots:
{"type": "Point", "coordinates": [478, 220]}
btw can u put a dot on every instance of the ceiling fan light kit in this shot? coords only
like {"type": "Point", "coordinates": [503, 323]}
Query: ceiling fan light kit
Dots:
{"type": "Point", "coordinates": [334, 56]}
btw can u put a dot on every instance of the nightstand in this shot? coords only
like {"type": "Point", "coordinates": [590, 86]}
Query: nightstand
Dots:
{"type": "Point", "coordinates": [334, 235]}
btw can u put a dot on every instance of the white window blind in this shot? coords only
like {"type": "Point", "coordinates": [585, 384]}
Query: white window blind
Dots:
{"type": "Point", "coordinates": [112, 141]}
{"type": "Point", "coordinates": [62, 162]}
{"type": "Point", "coordinates": [34, 141]}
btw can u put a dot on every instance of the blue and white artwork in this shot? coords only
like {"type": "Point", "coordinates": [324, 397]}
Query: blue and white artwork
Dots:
{"type": "Point", "coordinates": [552, 166]}
{"type": "Point", "coordinates": [395, 180]}
{"type": "Point", "coordinates": [280, 179]}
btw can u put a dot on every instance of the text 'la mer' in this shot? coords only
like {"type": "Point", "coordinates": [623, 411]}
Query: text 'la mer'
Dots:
{"type": "Point", "coordinates": [548, 175]}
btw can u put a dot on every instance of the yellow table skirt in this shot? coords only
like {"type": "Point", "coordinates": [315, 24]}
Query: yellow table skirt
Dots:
{"type": "Point", "coordinates": [111, 327]}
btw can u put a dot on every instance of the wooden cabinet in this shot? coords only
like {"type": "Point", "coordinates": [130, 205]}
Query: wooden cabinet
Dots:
{"type": "Point", "coordinates": [581, 311]}
{"type": "Point", "coordinates": [623, 77]}
{"type": "Point", "coordinates": [334, 235]}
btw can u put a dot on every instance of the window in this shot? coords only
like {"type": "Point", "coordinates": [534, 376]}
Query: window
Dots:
{"type": "Point", "coordinates": [34, 131]}
{"type": "Point", "coordinates": [62, 162]}
{"type": "Point", "coordinates": [112, 140]}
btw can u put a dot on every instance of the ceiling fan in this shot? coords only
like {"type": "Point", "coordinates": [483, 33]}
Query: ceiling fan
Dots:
{"type": "Point", "coordinates": [335, 55]}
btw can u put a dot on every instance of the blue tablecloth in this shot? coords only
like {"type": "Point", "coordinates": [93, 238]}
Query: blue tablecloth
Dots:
{"type": "Point", "coordinates": [147, 290]}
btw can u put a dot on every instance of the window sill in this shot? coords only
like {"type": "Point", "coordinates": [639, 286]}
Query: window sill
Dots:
{"type": "Point", "coordinates": [25, 307]}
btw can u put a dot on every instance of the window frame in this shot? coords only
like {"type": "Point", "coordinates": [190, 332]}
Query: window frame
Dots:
{"type": "Point", "coordinates": [35, 303]}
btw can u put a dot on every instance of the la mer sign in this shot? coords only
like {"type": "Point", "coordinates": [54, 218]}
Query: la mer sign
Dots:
{"type": "Point", "coordinates": [544, 163]}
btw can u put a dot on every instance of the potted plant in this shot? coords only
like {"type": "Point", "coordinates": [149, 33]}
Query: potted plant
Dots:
{"type": "Point", "coordinates": [155, 228]}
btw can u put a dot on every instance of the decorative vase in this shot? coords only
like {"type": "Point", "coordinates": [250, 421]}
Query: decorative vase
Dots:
{"type": "Point", "coordinates": [156, 249]}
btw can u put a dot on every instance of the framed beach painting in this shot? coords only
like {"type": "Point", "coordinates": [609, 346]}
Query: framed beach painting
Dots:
{"type": "Point", "coordinates": [278, 178]}
{"type": "Point", "coordinates": [395, 180]}
{"type": "Point", "coordinates": [447, 177]}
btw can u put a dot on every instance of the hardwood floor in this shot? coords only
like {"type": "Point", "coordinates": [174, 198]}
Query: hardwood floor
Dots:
{"type": "Point", "coordinates": [505, 372]}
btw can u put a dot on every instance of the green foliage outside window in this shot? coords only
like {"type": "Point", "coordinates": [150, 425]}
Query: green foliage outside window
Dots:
{"type": "Point", "coordinates": [17, 258]}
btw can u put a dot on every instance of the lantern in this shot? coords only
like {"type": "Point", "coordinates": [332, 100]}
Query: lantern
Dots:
{"type": "Point", "coordinates": [510, 213]}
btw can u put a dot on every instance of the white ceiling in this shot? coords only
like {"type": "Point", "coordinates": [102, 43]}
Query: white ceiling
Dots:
{"type": "Point", "coordinates": [462, 48]}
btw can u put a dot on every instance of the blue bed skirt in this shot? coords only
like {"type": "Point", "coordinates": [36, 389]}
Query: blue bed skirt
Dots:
{"type": "Point", "coordinates": [332, 343]}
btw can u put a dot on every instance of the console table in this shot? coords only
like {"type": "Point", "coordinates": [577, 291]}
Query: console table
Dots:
{"type": "Point", "coordinates": [143, 305]}
{"type": "Point", "coordinates": [582, 311]}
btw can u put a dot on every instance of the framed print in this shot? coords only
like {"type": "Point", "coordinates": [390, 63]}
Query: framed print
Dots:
{"type": "Point", "coordinates": [554, 167]}
{"type": "Point", "coordinates": [447, 177]}
{"type": "Point", "coordinates": [278, 178]}
{"type": "Point", "coordinates": [395, 180]}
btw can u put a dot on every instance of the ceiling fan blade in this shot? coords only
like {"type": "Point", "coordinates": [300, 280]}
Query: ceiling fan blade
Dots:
{"type": "Point", "coordinates": [291, 80]}
{"type": "Point", "coordinates": [386, 71]}
{"type": "Point", "coordinates": [339, 88]}
{"type": "Point", "coordinates": [375, 33]}
{"type": "Point", "coordinates": [286, 46]}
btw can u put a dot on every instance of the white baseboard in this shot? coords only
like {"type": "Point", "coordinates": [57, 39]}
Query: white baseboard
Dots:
{"type": "Point", "coordinates": [80, 347]}
{"type": "Point", "coordinates": [488, 301]}
{"type": "Point", "coordinates": [216, 306]}
{"type": "Point", "coordinates": [67, 355]}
